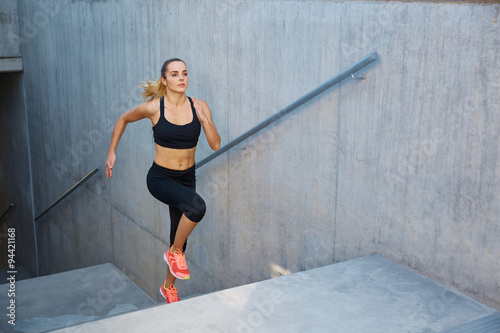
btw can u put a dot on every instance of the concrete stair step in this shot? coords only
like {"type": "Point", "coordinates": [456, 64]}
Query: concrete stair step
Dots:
{"type": "Point", "coordinates": [489, 324]}
{"type": "Point", "coordinates": [51, 302]}
{"type": "Point", "coordinates": [365, 295]}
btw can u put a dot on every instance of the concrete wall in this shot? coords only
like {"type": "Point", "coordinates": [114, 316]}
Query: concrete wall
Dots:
{"type": "Point", "coordinates": [15, 181]}
{"type": "Point", "coordinates": [9, 26]}
{"type": "Point", "coordinates": [10, 51]}
{"type": "Point", "coordinates": [404, 163]}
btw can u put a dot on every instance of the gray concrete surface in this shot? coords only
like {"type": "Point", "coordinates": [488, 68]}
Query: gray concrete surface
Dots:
{"type": "Point", "coordinates": [51, 302]}
{"type": "Point", "coordinates": [9, 29]}
{"type": "Point", "coordinates": [11, 65]}
{"type": "Point", "coordinates": [489, 324]}
{"type": "Point", "coordinates": [404, 163]}
{"type": "Point", "coordinates": [10, 50]}
{"type": "Point", "coordinates": [365, 295]}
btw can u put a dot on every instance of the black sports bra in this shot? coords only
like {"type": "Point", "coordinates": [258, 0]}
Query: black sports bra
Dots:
{"type": "Point", "coordinates": [174, 136]}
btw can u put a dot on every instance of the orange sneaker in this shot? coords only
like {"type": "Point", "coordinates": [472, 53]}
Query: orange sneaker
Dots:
{"type": "Point", "coordinates": [177, 263]}
{"type": "Point", "coordinates": [170, 293]}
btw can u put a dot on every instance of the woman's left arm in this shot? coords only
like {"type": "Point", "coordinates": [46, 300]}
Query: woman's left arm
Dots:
{"type": "Point", "coordinates": [205, 118]}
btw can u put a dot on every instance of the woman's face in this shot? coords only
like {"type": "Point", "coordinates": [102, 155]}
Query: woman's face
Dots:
{"type": "Point", "coordinates": [177, 77]}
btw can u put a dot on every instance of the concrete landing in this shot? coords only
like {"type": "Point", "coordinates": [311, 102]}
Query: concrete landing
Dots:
{"type": "Point", "coordinates": [55, 301]}
{"type": "Point", "coordinates": [369, 294]}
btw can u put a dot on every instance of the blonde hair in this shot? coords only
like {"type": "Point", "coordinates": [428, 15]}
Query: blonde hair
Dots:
{"type": "Point", "coordinates": [153, 90]}
{"type": "Point", "coordinates": [156, 89]}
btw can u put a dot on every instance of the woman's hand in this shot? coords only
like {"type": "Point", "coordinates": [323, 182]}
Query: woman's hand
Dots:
{"type": "Point", "coordinates": [200, 112]}
{"type": "Point", "coordinates": [205, 117]}
{"type": "Point", "coordinates": [110, 162]}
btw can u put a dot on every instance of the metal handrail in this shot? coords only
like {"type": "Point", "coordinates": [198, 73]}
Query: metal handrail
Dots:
{"type": "Point", "coordinates": [6, 214]}
{"type": "Point", "coordinates": [68, 192]}
{"type": "Point", "coordinates": [307, 97]}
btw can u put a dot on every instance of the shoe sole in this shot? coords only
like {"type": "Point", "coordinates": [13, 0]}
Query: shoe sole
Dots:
{"type": "Point", "coordinates": [165, 297]}
{"type": "Point", "coordinates": [180, 278]}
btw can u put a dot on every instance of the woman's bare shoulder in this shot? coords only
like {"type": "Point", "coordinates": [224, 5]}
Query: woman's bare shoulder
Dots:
{"type": "Point", "coordinates": [152, 105]}
{"type": "Point", "coordinates": [149, 108]}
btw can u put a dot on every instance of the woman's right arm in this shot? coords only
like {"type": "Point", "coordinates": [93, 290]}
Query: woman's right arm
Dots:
{"type": "Point", "coordinates": [144, 110]}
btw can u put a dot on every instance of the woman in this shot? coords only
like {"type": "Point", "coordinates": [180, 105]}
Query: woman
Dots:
{"type": "Point", "coordinates": [177, 121]}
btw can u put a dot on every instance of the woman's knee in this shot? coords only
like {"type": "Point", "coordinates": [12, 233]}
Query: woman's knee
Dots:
{"type": "Point", "coordinates": [196, 211]}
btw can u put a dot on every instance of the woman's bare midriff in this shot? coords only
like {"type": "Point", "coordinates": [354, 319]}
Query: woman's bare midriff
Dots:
{"type": "Point", "coordinates": [175, 159]}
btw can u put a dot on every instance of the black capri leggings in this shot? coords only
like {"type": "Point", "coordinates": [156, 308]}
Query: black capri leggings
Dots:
{"type": "Point", "coordinates": [177, 189]}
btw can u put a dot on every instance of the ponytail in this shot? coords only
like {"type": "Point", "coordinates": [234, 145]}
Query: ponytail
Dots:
{"type": "Point", "coordinates": [153, 90]}
{"type": "Point", "coordinates": [156, 89]}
